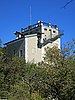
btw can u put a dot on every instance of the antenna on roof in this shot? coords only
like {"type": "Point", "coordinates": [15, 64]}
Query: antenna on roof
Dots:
{"type": "Point", "coordinates": [30, 15]}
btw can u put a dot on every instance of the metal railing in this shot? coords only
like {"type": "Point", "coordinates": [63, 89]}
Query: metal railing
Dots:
{"type": "Point", "coordinates": [24, 30]}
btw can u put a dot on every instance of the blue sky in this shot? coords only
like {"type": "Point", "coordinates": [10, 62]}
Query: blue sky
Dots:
{"type": "Point", "coordinates": [15, 14]}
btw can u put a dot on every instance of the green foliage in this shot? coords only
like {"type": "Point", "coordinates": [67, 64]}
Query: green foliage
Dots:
{"type": "Point", "coordinates": [56, 76]}
{"type": "Point", "coordinates": [68, 49]}
{"type": "Point", "coordinates": [53, 78]}
{"type": "Point", "coordinates": [36, 96]}
{"type": "Point", "coordinates": [16, 78]}
{"type": "Point", "coordinates": [53, 57]}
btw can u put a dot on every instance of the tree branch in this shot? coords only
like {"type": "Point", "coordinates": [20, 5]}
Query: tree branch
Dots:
{"type": "Point", "coordinates": [67, 3]}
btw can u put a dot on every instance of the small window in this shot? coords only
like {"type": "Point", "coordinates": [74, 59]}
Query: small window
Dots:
{"type": "Point", "coordinates": [14, 52]}
{"type": "Point", "coordinates": [50, 30]}
{"type": "Point", "coordinates": [45, 29]}
{"type": "Point", "coordinates": [54, 32]}
{"type": "Point", "coordinates": [21, 53]}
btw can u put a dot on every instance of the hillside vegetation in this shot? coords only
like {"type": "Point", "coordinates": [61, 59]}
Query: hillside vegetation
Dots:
{"type": "Point", "coordinates": [54, 78]}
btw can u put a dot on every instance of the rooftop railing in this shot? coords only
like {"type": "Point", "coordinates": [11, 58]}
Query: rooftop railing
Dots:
{"type": "Point", "coordinates": [38, 25]}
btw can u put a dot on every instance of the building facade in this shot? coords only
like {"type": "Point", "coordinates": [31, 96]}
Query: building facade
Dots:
{"type": "Point", "coordinates": [31, 41]}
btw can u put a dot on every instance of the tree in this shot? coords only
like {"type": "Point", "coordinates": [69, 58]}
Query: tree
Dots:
{"type": "Point", "coordinates": [55, 77]}
{"type": "Point", "coordinates": [53, 57]}
{"type": "Point", "coordinates": [16, 78]}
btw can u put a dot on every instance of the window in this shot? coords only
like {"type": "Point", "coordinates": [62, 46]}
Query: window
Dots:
{"type": "Point", "coordinates": [49, 29]}
{"type": "Point", "coordinates": [54, 32]}
{"type": "Point", "coordinates": [21, 53]}
{"type": "Point", "coordinates": [45, 29]}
